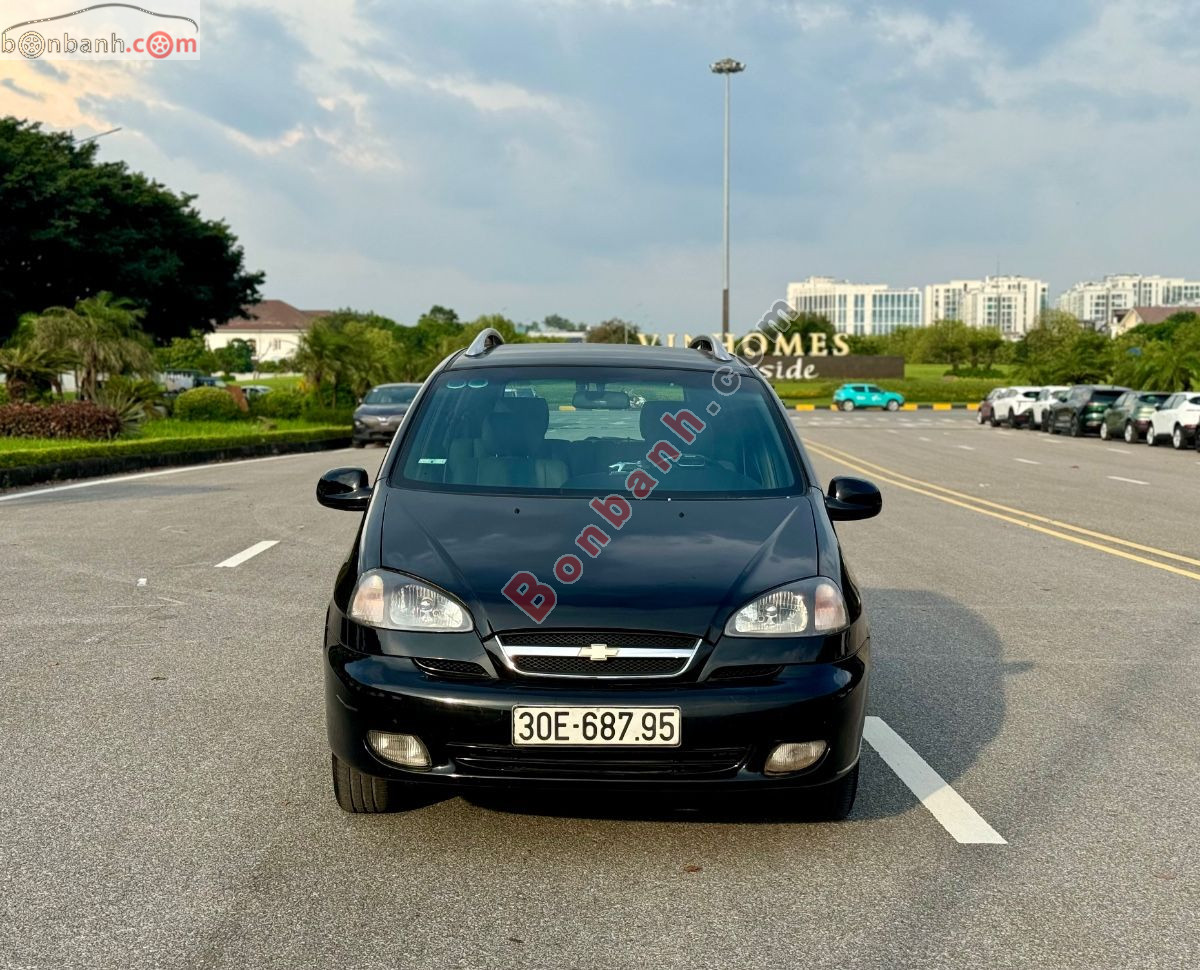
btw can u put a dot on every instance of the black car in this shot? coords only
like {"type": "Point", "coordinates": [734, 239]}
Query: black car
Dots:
{"type": "Point", "coordinates": [1082, 410]}
{"type": "Point", "coordinates": [1129, 416]}
{"type": "Point", "coordinates": [562, 589]}
{"type": "Point", "coordinates": [380, 412]}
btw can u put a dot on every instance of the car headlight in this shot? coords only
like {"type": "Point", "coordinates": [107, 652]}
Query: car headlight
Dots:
{"type": "Point", "coordinates": [811, 606]}
{"type": "Point", "coordinates": [393, 601]}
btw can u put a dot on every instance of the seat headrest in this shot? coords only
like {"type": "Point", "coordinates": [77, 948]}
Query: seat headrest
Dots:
{"type": "Point", "coordinates": [531, 410]}
{"type": "Point", "coordinates": [650, 420]}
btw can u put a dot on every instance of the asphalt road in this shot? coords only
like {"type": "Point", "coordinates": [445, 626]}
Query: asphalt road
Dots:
{"type": "Point", "coordinates": [164, 789]}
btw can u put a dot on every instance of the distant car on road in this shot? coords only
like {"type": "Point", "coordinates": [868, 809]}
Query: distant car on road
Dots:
{"type": "Point", "coordinates": [851, 396]}
{"type": "Point", "coordinates": [380, 413]}
{"type": "Point", "coordinates": [255, 390]}
{"type": "Point", "coordinates": [1041, 404]}
{"type": "Point", "coordinates": [1130, 414]}
{"type": "Point", "coordinates": [1013, 406]}
{"type": "Point", "coordinates": [984, 412]}
{"type": "Point", "coordinates": [207, 380]}
{"type": "Point", "coordinates": [1176, 418]}
{"type": "Point", "coordinates": [1083, 409]}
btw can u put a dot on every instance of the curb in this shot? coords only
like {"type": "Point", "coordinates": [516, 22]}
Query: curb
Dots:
{"type": "Point", "coordinates": [937, 406]}
{"type": "Point", "coordinates": [101, 467]}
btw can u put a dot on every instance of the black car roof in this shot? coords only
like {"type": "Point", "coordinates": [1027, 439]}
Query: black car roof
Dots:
{"type": "Point", "coordinates": [593, 355]}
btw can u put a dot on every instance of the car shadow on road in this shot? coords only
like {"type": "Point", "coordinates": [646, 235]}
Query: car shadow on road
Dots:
{"type": "Point", "coordinates": [938, 680]}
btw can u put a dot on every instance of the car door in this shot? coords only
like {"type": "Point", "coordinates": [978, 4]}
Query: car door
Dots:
{"type": "Point", "coordinates": [1163, 419]}
{"type": "Point", "coordinates": [874, 396]}
{"type": "Point", "coordinates": [1118, 411]}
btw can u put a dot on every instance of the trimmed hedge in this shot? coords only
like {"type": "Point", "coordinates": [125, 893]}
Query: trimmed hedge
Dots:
{"type": "Point", "coordinates": [80, 419]}
{"type": "Point", "coordinates": [207, 404]}
{"type": "Point", "coordinates": [913, 389]}
{"type": "Point", "coordinates": [282, 403]}
{"type": "Point", "coordinates": [164, 446]}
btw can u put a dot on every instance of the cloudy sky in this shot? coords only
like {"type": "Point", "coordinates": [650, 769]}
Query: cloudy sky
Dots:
{"type": "Point", "coordinates": [564, 156]}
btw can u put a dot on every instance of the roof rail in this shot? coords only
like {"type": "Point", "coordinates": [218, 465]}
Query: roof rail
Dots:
{"type": "Point", "coordinates": [485, 341]}
{"type": "Point", "coordinates": [711, 348]}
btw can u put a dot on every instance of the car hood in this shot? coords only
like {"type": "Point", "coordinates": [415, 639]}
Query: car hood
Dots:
{"type": "Point", "coordinates": [380, 410]}
{"type": "Point", "coordinates": [676, 566]}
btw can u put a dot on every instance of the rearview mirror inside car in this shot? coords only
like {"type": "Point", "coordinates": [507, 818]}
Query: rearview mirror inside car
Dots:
{"type": "Point", "coordinates": [852, 498]}
{"type": "Point", "coordinates": [348, 489]}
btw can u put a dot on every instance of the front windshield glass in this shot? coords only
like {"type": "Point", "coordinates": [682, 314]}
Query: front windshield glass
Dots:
{"type": "Point", "coordinates": [587, 430]}
{"type": "Point", "coordinates": [390, 395]}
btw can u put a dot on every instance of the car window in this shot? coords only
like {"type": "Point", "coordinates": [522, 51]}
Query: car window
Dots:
{"type": "Point", "coordinates": [1104, 397]}
{"type": "Point", "coordinates": [1030, 395]}
{"type": "Point", "coordinates": [1194, 400]}
{"type": "Point", "coordinates": [585, 430]}
{"type": "Point", "coordinates": [390, 395]}
{"type": "Point", "coordinates": [872, 389]}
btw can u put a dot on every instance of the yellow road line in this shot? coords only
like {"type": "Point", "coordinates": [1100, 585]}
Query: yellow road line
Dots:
{"type": "Point", "coordinates": [1103, 536]}
{"type": "Point", "coordinates": [883, 475]}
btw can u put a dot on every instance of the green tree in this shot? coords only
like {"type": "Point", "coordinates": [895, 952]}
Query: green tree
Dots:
{"type": "Point", "coordinates": [1062, 350]}
{"type": "Point", "coordinates": [235, 356]}
{"type": "Point", "coordinates": [984, 345]}
{"type": "Point", "coordinates": [102, 334]}
{"type": "Point", "coordinates": [72, 226]}
{"type": "Point", "coordinates": [555, 321]}
{"type": "Point", "coordinates": [947, 342]}
{"type": "Point", "coordinates": [613, 331]}
{"type": "Point", "coordinates": [186, 353]}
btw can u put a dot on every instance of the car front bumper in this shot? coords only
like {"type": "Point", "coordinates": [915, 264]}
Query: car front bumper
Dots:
{"type": "Point", "coordinates": [374, 432]}
{"type": "Point", "coordinates": [727, 729]}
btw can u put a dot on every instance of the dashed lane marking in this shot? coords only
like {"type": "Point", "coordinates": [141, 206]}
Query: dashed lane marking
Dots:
{"type": "Point", "coordinates": [946, 805]}
{"type": "Point", "coordinates": [1131, 481]}
{"type": "Point", "coordinates": [245, 554]}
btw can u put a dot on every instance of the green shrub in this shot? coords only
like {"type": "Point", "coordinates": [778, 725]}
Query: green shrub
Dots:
{"type": "Point", "coordinates": [278, 404]}
{"type": "Point", "coordinates": [79, 419]}
{"type": "Point", "coordinates": [207, 404]}
{"type": "Point", "coordinates": [315, 410]}
{"type": "Point", "coordinates": [3, 394]}
{"type": "Point", "coordinates": [235, 437]}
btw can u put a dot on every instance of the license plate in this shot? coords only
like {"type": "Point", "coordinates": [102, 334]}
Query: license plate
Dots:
{"type": "Point", "coordinates": [641, 726]}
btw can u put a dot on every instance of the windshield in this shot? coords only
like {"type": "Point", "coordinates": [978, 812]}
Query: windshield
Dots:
{"type": "Point", "coordinates": [391, 395]}
{"type": "Point", "coordinates": [587, 430]}
{"type": "Point", "coordinates": [1032, 395]}
{"type": "Point", "coordinates": [1104, 397]}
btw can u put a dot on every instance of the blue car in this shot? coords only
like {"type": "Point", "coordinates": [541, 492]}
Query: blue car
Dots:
{"type": "Point", "coordinates": [851, 396]}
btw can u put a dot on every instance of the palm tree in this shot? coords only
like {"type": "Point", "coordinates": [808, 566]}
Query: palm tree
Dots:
{"type": "Point", "coordinates": [1163, 365]}
{"type": "Point", "coordinates": [27, 367]}
{"type": "Point", "coordinates": [101, 335]}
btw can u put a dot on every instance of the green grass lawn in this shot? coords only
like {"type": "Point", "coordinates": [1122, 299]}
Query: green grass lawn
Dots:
{"type": "Point", "coordinates": [286, 383]}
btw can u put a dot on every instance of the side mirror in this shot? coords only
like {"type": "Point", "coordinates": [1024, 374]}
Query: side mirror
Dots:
{"type": "Point", "coordinates": [347, 489]}
{"type": "Point", "coordinates": [852, 498]}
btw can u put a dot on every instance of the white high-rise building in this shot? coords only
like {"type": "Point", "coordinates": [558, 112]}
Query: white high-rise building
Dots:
{"type": "Point", "coordinates": [1011, 304]}
{"type": "Point", "coordinates": [1097, 302]}
{"type": "Point", "coordinates": [861, 309]}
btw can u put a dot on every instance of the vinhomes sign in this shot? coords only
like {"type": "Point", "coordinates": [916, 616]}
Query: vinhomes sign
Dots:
{"type": "Point", "coordinates": [793, 357]}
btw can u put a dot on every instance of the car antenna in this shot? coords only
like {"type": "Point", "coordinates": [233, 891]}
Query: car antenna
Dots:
{"type": "Point", "coordinates": [711, 348]}
{"type": "Point", "coordinates": [485, 341]}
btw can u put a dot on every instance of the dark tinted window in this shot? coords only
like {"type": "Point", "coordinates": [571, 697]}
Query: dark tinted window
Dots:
{"type": "Point", "coordinates": [584, 430]}
{"type": "Point", "coordinates": [1152, 398]}
{"type": "Point", "coordinates": [391, 395]}
{"type": "Point", "coordinates": [1104, 397]}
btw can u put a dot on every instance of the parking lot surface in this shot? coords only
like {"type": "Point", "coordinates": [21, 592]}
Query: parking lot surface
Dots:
{"type": "Point", "coordinates": [164, 782]}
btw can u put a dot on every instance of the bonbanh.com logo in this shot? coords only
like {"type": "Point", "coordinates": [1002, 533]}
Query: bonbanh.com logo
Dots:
{"type": "Point", "coordinates": [103, 31]}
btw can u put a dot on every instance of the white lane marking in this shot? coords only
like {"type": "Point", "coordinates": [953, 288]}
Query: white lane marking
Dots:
{"type": "Point", "coordinates": [245, 554]}
{"type": "Point", "coordinates": [1027, 461]}
{"type": "Point", "coordinates": [1131, 481]}
{"type": "Point", "coordinates": [1118, 451]}
{"type": "Point", "coordinates": [141, 581]}
{"type": "Point", "coordinates": [965, 447]}
{"type": "Point", "coordinates": [924, 439]}
{"type": "Point", "coordinates": [166, 471]}
{"type": "Point", "coordinates": [892, 431]}
{"type": "Point", "coordinates": [944, 803]}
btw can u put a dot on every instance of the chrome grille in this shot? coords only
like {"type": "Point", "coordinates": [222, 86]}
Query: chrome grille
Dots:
{"type": "Point", "coordinates": [597, 655]}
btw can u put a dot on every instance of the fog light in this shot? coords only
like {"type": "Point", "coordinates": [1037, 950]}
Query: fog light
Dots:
{"type": "Point", "coordinates": [794, 756]}
{"type": "Point", "coordinates": [401, 749]}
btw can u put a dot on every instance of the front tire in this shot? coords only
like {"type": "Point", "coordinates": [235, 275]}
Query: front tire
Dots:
{"type": "Point", "coordinates": [1076, 428]}
{"type": "Point", "coordinates": [361, 794]}
{"type": "Point", "coordinates": [1103, 430]}
{"type": "Point", "coordinates": [833, 802]}
{"type": "Point", "coordinates": [979, 418]}
{"type": "Point", "coordinates": [1177, 438]}
{"type": "Point", "coordinates": [847, 405]}
{"type": "Point", "coordinates": [1130, 433]}
{"type": "Point", "coordinates": [1151, 436]}
{"type": "Point", "coordinates": [893, 405]}
{"type": "Point", "coordinates": [358, 444]}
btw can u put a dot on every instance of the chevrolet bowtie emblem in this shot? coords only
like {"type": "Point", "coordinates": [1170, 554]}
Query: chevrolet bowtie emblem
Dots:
{"type": "Point", "coordinates": [598, 651]}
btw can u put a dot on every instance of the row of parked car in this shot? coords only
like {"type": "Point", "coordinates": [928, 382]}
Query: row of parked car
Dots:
{"type": "Point", "coordinates": [1154, 417]}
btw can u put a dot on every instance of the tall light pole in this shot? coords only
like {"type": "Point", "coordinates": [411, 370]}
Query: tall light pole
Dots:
{"type": "Point", "coordinates": [728, 67]}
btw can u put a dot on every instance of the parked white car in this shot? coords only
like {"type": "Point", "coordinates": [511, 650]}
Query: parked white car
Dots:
{"type": "Point", "coordinates": [1041, 404]}
{"type": "Point", "coordinates": [1012, 406]}
{"type": "Point", "coordinates": [1176, 418]}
